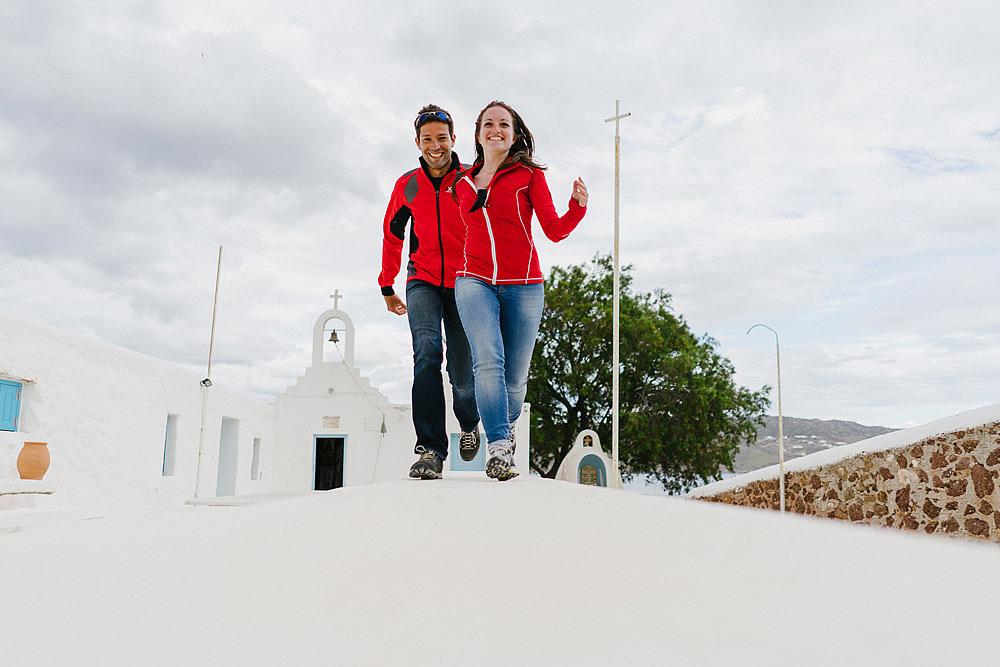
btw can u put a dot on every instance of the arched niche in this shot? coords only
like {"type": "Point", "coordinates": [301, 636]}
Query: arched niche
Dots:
{"type": "Point", "coordinates": [592, 471]}
{"type": "Point", "coordinates": [319, 336]}
{"type": "Point", "coordinates": [588, 438]}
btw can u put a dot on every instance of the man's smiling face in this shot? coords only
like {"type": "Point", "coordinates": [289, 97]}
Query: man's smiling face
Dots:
{"type": "Point", "coordinates": [435, 144]}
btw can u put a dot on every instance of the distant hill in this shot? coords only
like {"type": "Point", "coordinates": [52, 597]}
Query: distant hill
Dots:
{"type": "Point", "coordinates": [802, 436]}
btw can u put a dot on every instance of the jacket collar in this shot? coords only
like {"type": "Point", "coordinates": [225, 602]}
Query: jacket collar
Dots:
{"type": "Point", "coordinates": [456, 164]}
{"type": "Point", "coordinates": [471, 173]}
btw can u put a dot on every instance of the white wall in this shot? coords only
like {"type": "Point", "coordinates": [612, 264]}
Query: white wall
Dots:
{"type": "Point", "coordinates": [103, 410]}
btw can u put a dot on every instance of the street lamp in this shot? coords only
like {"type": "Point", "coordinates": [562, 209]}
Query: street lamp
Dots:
{"type": "Point", "coordinates": [781, 434]}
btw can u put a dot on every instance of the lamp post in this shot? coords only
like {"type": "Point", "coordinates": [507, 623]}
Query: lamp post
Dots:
{"type": "Point", "coordinates": [781, 434]}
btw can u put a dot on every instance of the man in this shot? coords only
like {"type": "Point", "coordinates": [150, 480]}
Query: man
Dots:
{"type": "Point", "coordinates": [437, 239]}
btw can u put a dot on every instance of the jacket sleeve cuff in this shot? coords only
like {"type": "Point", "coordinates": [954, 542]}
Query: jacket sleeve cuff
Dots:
{"type": "Point", "coordinates": [388, 291]}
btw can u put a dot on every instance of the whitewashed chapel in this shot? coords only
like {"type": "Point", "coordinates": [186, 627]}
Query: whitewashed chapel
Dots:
{"type": "Point", "coordinates": [127, 431]}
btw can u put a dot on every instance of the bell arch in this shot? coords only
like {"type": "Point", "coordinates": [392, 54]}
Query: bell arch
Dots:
{"type": "Point", "coordinates": [318, 335]}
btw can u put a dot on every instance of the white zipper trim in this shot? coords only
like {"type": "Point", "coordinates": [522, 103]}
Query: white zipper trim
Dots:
{"type": "Point", "coordinates": [489, 228]}
{"type": "Point", "coordinates": [493, 245]}
{"type": "Point", "coordinates": [465, 255]}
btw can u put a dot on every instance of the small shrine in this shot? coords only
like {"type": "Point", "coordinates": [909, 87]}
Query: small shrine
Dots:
{"type": "Point", "coordinates": [586, 462]}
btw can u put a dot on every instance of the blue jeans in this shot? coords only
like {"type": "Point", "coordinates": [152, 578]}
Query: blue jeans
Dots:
{"type": "Point", "coordinates": [427, 306]}
{"type": "Point", "coordinates": [501, 322]}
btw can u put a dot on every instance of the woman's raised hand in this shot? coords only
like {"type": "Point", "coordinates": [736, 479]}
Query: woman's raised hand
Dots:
{"type": "Point", "coordinates": [580, 192]}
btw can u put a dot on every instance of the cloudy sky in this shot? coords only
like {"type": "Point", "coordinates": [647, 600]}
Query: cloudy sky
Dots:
{"type": "Point", "coordinates": [829, 169]}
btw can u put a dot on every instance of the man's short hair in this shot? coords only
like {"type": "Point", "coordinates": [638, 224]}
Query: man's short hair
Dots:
{"type": "Point", "coordinates": [432, 113]}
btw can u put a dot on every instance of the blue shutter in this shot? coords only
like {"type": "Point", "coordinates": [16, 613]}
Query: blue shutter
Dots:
{"type": "Point", "coordinates": [10, 404]}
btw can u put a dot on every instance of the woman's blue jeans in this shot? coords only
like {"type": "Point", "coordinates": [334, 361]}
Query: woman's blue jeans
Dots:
{"type": "Point", "coordinates": [427, 307]}
{"type": "Point", "coordinates": [501, 322]}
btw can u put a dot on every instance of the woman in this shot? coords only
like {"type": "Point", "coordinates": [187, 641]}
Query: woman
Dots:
{"type": "Point", "coordinates": [500, 290]}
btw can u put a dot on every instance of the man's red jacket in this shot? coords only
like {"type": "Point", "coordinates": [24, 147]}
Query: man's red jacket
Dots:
{"type": "Point", "coordinates": [437, 236]}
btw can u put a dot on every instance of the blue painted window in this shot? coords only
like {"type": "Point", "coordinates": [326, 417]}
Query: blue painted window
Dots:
{"type": "Point", "coordinates": [10, 404]}
{"type": "Point", "coordinates": [170, 446]}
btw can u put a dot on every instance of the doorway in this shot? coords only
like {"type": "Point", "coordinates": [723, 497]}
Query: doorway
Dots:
{"type": "Point", "coordinates": [329, 463]}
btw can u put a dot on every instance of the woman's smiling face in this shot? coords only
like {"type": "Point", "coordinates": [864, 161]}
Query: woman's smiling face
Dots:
{"type": "Point", "coordinates": [496, 131]}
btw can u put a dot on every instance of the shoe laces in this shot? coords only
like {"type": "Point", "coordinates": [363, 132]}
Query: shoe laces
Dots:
{"type": "Point", "coordinates": [468, 439]}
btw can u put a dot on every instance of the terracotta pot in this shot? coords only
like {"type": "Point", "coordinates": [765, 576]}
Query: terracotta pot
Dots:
{"type": "Point", "coordinates": [33, 461]}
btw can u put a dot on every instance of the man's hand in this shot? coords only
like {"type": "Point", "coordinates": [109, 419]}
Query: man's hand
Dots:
{"type": "Point", "coordinates": [394, 304]}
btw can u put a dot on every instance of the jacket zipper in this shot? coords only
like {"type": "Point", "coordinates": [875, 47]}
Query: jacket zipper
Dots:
{"type": "Point", "coordinates": [489, 224]}
{"type": "Point", "coordinates": [493, 244]}
{"type": "Point", "coordinates": [437, 201]}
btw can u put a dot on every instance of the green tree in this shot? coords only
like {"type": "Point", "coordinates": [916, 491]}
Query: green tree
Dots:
{"type": "Point", "coordinates": [682, 418]}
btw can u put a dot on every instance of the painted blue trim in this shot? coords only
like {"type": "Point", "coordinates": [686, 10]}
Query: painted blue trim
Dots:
{"type": "Point", "coordinates": [170, 446]}
{"type": "Point", "coordinates": [594, 460]}
{"type": "Point", "coordinates": [10, 404]}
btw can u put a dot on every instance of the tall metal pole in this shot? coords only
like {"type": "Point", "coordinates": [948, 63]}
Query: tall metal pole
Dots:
{"type": "Point", "coordinates": [215, 306]}
{"type": "Point", "coordinates": [616, 308]}
{"type": "Point", "coordinates": [207, 382]}
{"type": "Point", "coordinates": [781, 432]}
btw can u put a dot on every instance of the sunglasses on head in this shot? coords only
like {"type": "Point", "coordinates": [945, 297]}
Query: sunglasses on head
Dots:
{"type": "Point", "coordinates": [430, 116]}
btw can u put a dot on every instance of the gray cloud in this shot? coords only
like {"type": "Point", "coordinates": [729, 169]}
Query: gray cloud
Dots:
{"type": "Point", "coordinates": [830, 169]}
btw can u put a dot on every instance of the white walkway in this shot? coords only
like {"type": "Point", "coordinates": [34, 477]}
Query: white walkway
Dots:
{"type": "Point", "coordinates": [470, 572]}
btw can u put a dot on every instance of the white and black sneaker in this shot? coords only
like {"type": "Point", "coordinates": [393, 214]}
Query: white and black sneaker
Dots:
{"type": "Point", "coordinates": [500, 465]}
{"type": "Point", "coordinates": [468, 445]}
{"type": "Point", "coordinates": [428, 466]}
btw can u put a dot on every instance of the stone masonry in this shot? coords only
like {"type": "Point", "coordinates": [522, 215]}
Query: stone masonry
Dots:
{"type": "Point", "coordinates": [944, 484]}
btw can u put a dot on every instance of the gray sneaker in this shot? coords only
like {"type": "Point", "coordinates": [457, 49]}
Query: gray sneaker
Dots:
{"type": "Point", "coordinates": [468, 445]}
{"type": "Point", "coordinates": [500, 465]}
{"type": "Point", "coordinates": [428, 466]}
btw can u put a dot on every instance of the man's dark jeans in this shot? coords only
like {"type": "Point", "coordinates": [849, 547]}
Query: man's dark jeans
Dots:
{"type": "Point", "coordinates": [427, 306]}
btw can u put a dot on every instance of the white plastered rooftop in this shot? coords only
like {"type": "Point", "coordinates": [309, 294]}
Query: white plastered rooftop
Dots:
{"type": "Point", "coordinates": [467, 571]}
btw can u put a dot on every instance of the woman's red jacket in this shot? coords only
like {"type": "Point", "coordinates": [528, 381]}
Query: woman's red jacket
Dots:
{"type": "Point", "coordinates": [498, 244]}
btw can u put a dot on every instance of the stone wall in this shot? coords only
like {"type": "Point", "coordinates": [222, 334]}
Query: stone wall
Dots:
{"type": "Point", "coordinates": [945, 484]}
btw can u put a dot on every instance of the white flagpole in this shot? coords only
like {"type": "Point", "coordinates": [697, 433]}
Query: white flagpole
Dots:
{"type": "Point", "coordinates": [207, 382]}
{"type": "Point", "coordinates": [215, 306]}
{"type": "Point", "coordinates": [616, 308]}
